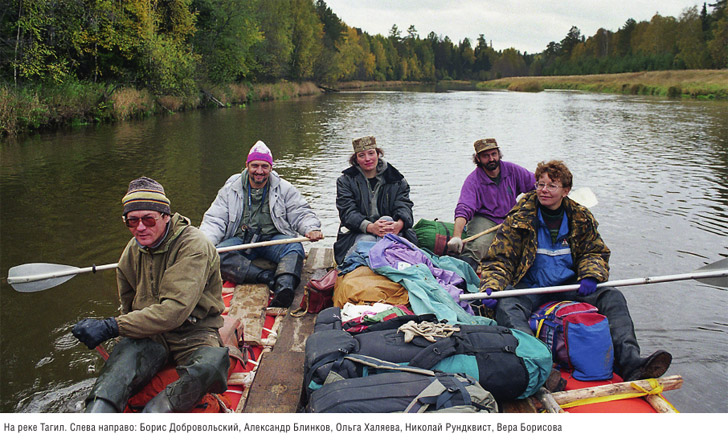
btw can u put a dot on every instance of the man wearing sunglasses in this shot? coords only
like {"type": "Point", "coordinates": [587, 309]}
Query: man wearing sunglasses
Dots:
{"type": "Point", "coordinates": [171, 304]}
{"type": "Point", "coordinates": [258, 205]}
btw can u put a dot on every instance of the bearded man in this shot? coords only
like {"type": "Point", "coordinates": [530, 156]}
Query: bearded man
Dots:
{"type": "Point", "coordinates": [487, 195]}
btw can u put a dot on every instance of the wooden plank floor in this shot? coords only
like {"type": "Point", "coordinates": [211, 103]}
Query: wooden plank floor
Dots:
{"type": "Point", "coordinates": [278, 383]}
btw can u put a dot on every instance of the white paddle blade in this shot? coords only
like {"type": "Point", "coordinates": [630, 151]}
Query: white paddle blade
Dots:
{"type": "Point", "coordinates": [719, 281]}
{"type": "Point", "coordinates": [35, 277]}
{"type": "Point", "coordinates": [584, 196]}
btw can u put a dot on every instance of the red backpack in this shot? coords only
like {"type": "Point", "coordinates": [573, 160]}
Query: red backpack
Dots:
{"type": "Point", "coordinates": [578, 337]}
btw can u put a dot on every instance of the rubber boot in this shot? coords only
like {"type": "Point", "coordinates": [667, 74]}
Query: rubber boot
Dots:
{"type": "Point", "coordinates": [288, 276]}
{"type": "Point", "coordinates": [99, 405]}
{"type": "Point", "coordinates": [653, 366]}
{"type": "Point", "coordinates": [132, 364]}
{"type": "Point", "coordinates": [284, 290]}
{"type": "Point", "coordinates": [236, 268]}
{"type": "Point", "coordinates": [206, 372]}
{"type": "Point", "coordinates": [628, 363]}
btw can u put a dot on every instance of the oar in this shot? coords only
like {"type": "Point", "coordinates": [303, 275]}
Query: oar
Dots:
{"type": "Point", "coordinates": [713, 274]}
{"type": "Point", "coordinates": [35, 277]}
{"type": "Point", "coordinates": [583, 196]}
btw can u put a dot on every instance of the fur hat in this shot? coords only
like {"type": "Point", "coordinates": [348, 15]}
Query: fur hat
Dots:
{"type": "Point", "coordinates": [260, 152]}
{"type": "Point", "coordinates": [364, 143]}
{"type": "Point", "coordinates": [145, 194]}
{"type": "Point", "coordinates": [485, 144]}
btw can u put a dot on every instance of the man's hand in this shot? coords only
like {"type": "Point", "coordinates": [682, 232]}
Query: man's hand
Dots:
{"type": "Point", "coordinates": [455, 245]}
{"type": "Point", "coordinates": [93, 332]}
{"type": "Point", "coordinates": [314, 235]}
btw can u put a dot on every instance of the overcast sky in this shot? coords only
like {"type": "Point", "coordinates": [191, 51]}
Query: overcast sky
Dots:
{"type": "Point", "coordinates": [527, 25]}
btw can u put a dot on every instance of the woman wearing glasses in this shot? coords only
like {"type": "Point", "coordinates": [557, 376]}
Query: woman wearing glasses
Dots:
{"type": "Point", "coordinates": [548, 240]}
{"type": "Point", "coordinates": [171, 304]}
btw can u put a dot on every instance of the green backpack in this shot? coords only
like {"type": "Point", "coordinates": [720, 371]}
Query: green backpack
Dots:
{"type": "Point", "coordinates": [434, 235]}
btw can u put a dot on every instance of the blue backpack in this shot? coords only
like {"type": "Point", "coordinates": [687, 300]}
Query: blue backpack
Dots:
{"type": "Point", "coordinates": [578, 337]}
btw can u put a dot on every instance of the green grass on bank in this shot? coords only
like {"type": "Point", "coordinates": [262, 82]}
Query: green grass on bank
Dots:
{"type": "Point", "coordinates": [700, 84]}
{"type": "Point", "coordinates": [24, 110]}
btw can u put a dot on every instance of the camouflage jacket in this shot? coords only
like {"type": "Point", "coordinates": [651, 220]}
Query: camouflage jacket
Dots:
{"type": "Point", "coordinates": [513, 250]}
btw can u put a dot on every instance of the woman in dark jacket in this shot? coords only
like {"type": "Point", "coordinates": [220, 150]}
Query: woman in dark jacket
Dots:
{"type": "Point", "coordinates": [372, 198]}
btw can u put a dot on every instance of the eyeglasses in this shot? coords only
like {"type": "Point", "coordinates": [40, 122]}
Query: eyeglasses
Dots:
{"type": "Point", "coordinates": [148, 221]}
{"type": "Point", "coordinates": [551, 187]}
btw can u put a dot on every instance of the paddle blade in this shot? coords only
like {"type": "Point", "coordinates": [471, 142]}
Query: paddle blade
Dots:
{"type": "Point", "coordinates": [35, 277]}
{"type": "Point", "coordinates": [718, 281]}
{"type": "Point", "coordinates": [584, 196]}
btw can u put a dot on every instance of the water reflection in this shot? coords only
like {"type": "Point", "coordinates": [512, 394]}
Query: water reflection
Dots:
{"type": "Point", "coordinates": [658, 167]}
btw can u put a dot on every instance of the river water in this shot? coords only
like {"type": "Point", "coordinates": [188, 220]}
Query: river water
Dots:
{"type": "Point", "coordinates": [658, 167]}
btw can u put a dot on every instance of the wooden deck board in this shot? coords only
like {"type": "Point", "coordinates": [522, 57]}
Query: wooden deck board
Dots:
{"type": "Point", "coordinates": [278, 383]}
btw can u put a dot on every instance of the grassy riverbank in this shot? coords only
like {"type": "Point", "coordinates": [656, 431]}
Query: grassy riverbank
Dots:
{"type": "Point", "coordinates": [26, 110]}
{"type": "Point", "coordinates": [702, 84]}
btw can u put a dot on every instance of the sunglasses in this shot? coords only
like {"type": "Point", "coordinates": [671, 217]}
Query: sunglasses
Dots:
{"type": "Point", "coordinates": [148, 221]}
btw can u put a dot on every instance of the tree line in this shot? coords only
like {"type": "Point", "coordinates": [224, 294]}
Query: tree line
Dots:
{"type": "Point", "coordinates": [177, 46]}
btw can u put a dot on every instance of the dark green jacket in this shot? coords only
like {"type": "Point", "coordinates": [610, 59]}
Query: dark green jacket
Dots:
{"type": "Point", "coordinates": [513, 250]}
{"type": "Point", "coordinates": [160, 289]}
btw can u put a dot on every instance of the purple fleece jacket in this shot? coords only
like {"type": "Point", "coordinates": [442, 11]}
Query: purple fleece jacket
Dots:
{"type": "Point", "coordinates": [481, 196]}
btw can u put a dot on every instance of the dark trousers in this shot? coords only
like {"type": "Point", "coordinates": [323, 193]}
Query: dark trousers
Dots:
{"type": "Point", "coordinates": [514, 312]}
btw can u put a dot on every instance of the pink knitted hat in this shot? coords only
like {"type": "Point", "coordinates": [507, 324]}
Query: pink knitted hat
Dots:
{"type": "Point", "coordinates": [260, 152]}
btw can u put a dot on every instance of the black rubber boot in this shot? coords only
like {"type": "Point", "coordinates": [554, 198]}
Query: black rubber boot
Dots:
{"type": "Point", "coordinates": [627, 360]}
{"type": "Point", "coordinates": [205, 373]}
{"type": "Point", "coordinates": [288, 276]}
{"type": "Point", "coordinates": [99, 405]}
{"type": "Point", "coordinates": [132, 364]}
{"type": "Point", "coordinates": [284, 291]}
{"type": "Point", "coordinates": [650, 367]}
{"type": "Point", "coordinates": [236, 268]}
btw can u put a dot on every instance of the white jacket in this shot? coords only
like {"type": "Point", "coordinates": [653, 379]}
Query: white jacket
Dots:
{"type": "Point", "coordinates": [290, 212]}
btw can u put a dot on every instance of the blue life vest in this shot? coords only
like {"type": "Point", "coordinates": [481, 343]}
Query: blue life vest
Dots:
{"type": "Point", "coordinates": [553, 264]}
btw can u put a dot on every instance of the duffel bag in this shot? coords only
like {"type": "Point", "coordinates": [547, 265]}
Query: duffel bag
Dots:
{"type": "Point", "coordinates": [401, 389]}
{"type": "Point", "coordinates": [508, 363]}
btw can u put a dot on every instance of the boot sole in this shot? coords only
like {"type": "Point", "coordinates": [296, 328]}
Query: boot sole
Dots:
{"type": "Point", "coordinates": [657, 364]}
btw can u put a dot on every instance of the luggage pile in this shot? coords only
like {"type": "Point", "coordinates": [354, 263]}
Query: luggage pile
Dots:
{"type": "Point", "coordinates": [398, 340]}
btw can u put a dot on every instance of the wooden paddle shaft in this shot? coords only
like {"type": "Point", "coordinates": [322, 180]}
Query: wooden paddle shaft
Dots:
{"type": "Point", "coordinates": [253, 245]}
{"type": "Point", "coordinates": [478, 235]}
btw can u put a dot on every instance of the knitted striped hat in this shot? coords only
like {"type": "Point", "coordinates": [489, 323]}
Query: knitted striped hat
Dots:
{"type": "Point", "coordinates": [145, 194]}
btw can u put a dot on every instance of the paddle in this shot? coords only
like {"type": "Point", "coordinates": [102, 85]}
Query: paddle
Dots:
{"type": "Point", "coordinates": [583, 196]}
{"type": "Point", "coordinates": [714, 274]}
{"type": "Point", "coordinates": [35, 277]}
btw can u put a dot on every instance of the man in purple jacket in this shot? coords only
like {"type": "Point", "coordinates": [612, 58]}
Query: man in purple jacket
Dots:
{"type": "Point", "coordinates": [487, 195]}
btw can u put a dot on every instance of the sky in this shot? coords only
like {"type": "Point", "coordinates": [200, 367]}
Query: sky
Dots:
{"type": "Point", "coordinates": [527, 25]}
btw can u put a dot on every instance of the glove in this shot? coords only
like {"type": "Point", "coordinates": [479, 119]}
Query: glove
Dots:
{"type": "Point", "coordinates": [587, 286]}
{"type": "Point", "coordinates": [93, 332]}
{"type": "Point", "coordinates": [455, 245]}
{"type": "Point", "coordinates": [489, 302]}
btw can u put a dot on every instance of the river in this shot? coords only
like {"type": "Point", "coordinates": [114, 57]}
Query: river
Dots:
{"type": "Point", "coordinates": [658, 167]}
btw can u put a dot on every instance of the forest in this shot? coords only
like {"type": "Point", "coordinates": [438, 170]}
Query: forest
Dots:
{"type": "Point", "coordinates": [182, 47]}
